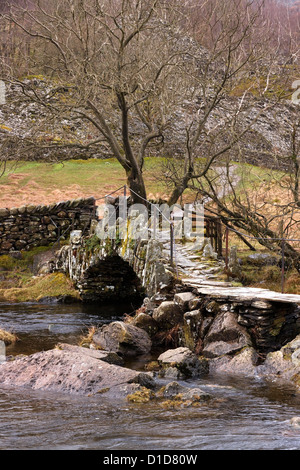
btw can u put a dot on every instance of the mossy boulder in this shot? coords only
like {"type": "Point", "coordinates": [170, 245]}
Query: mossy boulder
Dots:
{"type": "Point", "coordinates": [168, 315]}
{"type": "Point", "coordinates": [147, 323]}
{"type": "Point", "coordinates": [123, 338]}
{"type": "Point", "coordinates": [181, 363]}
{"type": "Point", "coordinates": [7, 337]}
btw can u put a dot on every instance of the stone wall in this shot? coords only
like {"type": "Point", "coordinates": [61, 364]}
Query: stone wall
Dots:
{"type": "Point", "coordinates": [28, 226]}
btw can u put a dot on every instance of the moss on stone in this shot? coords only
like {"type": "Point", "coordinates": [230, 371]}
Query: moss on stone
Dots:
{"type": "Point", "coordinates": [296, 379]}
{"type": "Point", "coordinates": [36, 288]}
{"type": "Point", "coordinates": [7, 337]}
{"type": "Point", "coordinates": [277, 325]}
{"type": "Point", "coordinates": [144, 395]}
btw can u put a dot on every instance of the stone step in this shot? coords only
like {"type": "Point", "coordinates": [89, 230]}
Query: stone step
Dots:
{"type": "Point", "coordinates": [246, 294]}
{"type": "Point", "coordinates": [206, 282]}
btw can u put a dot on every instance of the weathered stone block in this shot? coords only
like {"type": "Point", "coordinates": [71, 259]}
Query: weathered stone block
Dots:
{"type": "Point", "coordinates": [185, 361]}
{"type": "Point", "coordinates": [225, 336]}
{"type": "Point", "coordinates": [168, 315]}
{"type": "Point", "coordinates": [183, 299]}
{"type": "Point", "coordinates": [123, 338]}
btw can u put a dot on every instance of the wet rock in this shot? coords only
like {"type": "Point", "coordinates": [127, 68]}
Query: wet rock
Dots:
{"type": "Point", "coordinates": [225, 336]}
{"type": "Point", "coordinates": [243, 363]}
{"type": "Point", "coordinates": [291, 351]}
{"type": "Point", "coordinates": [283, 364]}
{"type": "Point", "coordinates": [183, 363]}
{"type": "Point", "coordinates": [146, 322]}
{"type": "Point", "coordinates": [277, 366]}
{"type": "Point", "coordinates": [168, 315]}
{"type": "Point", "coordinates": [174, 389]}
{"type": "Point", "coordinates": [178, 396]}
{"type": "Point", "coordinates": [123, 338]}
{"type": "Point", "coordinates": [144, 380]}
{"type": "Point", "coordinates": [70, 370]}
{"type": "Point", "coordinates": [106, 356]}
{"type": "Point", "coordinates": [140, 395]}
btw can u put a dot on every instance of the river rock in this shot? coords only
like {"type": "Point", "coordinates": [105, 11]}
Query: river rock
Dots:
{"type": "Point", "coordinates": [71, 370]}
{"type": "Point", "coordinates": [176, 390]}
{"type": "Point", "coordinates": [123, 338]}
{"type": "Point", "coordinates": [225, 336]}
{"type": "Point", "coordinates": [168, 315]}
{"type": "Point", "coordinates": [244, 363]}
{"type": "Point", "coordinates": [106, 356]}
{"type": "Point", "coordinates": [182, 362]}
{"type": "Point", "coordinates": [283, 364]}
{"type": "Point", "coordinates": [183, 299]}
{"type": "Point", "coordinates": [146, 322]}
{"type": "Point", "coordinates": [278, 365]}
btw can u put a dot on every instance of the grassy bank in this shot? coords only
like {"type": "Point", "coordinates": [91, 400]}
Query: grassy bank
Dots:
{"type": "Point", "coordinates": [19, 284]}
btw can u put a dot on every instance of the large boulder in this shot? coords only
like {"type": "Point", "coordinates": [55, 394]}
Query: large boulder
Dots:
{"type": "Point", "coordinates": [242, 364]}
{"type": "Point", "coordinates": [72, 370]}
{"type": "Point", "coordinates": [182, 362]}
{"type": "Point", "coordinates": [168, 315]}
{"type": "Point", "coordinates": [225, 336]}
{"type": "Point", "coordinates": [283, 364]}
{"type": "Point", "coordinates": [146, 322]}
{"type": "Point", "coordinates": [123, 338]}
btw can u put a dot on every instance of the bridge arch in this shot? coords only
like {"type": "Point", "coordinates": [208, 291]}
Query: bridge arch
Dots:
{"type": "Point", "coordinates": [111, 278]}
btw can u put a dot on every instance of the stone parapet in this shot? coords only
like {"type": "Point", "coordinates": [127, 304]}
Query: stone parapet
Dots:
{"type": "Point", "coordinates": [22, 228]}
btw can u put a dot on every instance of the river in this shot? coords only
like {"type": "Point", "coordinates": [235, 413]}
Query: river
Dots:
{"type": "Point", "coordinates": [245, 414]}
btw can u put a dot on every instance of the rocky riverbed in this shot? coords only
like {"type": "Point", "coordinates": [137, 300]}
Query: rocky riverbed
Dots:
{"type": "Point", "coordinates": [218, 343]}
{"type": "Point", "coordinates": [200, 328]}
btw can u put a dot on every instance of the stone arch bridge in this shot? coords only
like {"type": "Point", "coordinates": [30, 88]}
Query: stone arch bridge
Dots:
{"type": "Point", "coordinates": [109, 267]}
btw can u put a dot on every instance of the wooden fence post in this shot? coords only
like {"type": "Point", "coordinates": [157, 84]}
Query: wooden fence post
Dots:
{"type": "Point", "coordinates": [282, 265]}
{"type": "Point", "coordinates": [172, 242]}
{"type": "Point", "coordinates": [226, 245]}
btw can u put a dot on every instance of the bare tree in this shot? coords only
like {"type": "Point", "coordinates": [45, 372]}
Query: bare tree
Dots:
{"type": "Point", "coordinates": [119, 64]}
{"type": "Point", "coordinates": [238, 60]}
{"type": "Point", "coordinates": [165, 75]}
{"type": "Point", "coordinates": [261, 203]}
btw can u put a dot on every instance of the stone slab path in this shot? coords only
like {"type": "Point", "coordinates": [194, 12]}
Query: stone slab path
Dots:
{"type": "Point", "coordinates": [204, 275]}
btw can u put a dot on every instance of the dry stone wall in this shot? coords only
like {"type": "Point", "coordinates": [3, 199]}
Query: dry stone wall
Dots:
{"type": "Point", "coordinates": [28, 226]}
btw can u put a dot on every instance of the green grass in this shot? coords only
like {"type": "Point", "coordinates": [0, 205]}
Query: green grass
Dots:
{"type": "Point", "coordinates": [91, 175]}
{"type": "Point", "coordinates": [17, 283]}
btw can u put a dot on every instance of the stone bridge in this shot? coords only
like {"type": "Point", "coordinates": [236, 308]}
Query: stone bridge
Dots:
{"type": "Point", "coordinates": [108, 267]}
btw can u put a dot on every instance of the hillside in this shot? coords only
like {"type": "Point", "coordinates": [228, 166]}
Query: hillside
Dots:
{"type": "Point", "coordinates": [27, 132]}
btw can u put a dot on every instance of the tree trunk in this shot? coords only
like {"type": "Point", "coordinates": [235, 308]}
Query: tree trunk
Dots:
{"type": "Point", "coordinates": [178, 191]}
{"type": "Point", "coordinates": [135, 182]}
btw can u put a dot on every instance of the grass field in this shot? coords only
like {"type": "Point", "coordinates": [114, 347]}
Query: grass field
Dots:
{"type": "Point", "coordinates": [45, 183]}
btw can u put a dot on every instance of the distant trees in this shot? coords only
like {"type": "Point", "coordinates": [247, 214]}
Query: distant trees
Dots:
{"type": "Point", "coordinates": [241, 61]}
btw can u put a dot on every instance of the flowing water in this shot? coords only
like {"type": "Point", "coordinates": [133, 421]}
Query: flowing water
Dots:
{"type": "Point", "coordinates": [244, 414]}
